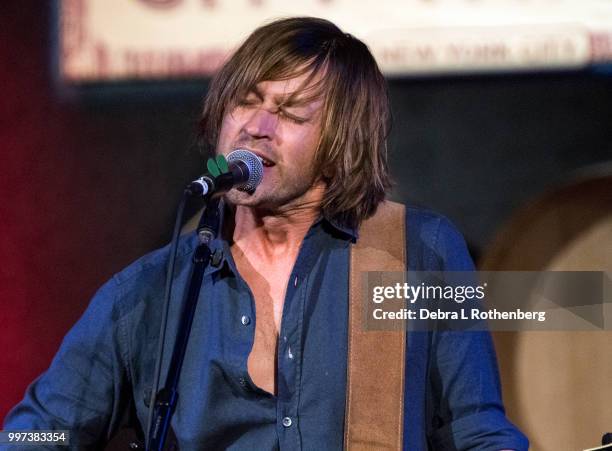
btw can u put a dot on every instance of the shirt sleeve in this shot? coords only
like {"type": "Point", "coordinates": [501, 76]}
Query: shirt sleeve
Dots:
{"type": "Point", "coordinates": [464, 386]}
{"type": "Point", "coordinates": [83, 389]}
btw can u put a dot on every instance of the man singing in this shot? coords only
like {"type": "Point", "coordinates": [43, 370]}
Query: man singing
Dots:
{"type": "Point", "coordinates": [267, 360]}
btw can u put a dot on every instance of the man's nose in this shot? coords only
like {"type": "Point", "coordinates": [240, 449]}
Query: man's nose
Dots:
{"type": "Point", "coordinates": [262, 123]}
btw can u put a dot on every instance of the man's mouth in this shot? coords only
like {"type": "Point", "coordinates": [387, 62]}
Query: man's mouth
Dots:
{"type": "Point", "coordinates": [267, 163]}
{"type": "Point", "coordinates": [264, 161]}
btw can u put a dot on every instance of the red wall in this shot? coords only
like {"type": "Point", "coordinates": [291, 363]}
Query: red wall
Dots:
{"type": "Point", "coordinates": [86, 187]}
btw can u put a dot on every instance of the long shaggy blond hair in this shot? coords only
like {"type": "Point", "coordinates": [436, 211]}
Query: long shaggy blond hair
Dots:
{"type": "Point", "coordinates": [352, 153]}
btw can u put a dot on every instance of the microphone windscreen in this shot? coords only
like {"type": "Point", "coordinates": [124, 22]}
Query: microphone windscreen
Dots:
{"type": "Point", "coordinates": [254, 165]}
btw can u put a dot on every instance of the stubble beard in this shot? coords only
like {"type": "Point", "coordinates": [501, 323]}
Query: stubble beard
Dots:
{"type": "Point", "coordinates": [279, 196]}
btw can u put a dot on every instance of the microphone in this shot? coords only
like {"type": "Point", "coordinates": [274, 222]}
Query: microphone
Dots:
{"type": "Point", "coordinates": [245, 173]}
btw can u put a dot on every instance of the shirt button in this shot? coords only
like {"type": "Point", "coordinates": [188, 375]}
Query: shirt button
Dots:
{"type": "Point", "coordinates": [245, 320]}
{"type": "Point", "coordinates": [287, 422]}
{"type": "Point", "coordinates": [242, 381]}
{"type": "Point", "coordinates": [295, 281]}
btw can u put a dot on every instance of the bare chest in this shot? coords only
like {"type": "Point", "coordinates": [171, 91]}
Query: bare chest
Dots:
{"type": "Point", "coordinates": [268, 284]}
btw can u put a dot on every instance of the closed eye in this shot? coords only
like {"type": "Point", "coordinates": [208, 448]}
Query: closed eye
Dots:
{"type": "Point", "coordinates": [250, 99]}
{"type": "Point", "coordinates": [247, 102]}
{"type": "Point", "coordinates": [293, 118]}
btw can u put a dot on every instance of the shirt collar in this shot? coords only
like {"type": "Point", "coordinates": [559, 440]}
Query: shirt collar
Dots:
{"type": "Point", "coordinates": [220, 247]}
{"type": "Point", "coordinates": [349, 232]}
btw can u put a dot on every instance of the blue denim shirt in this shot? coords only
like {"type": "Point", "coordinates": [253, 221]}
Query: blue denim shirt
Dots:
{"type": "Point", "coordinates": [104, 368]}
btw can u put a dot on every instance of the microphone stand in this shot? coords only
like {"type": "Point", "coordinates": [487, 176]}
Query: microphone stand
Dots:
{"type": "Point", "coordinates": [166, 398]}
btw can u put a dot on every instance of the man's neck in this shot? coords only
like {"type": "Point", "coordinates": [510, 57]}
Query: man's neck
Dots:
{"type": "Point", "coordinates": [276, 234]}
{"type": "Point", "coordinates": [270, 235]}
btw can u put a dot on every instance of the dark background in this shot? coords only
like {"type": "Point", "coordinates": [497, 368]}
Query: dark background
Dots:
{"type": "Point", "coordinates": [91, 177]}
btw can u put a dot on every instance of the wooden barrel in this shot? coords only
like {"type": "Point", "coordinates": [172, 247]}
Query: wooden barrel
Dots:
{"type": "Point", "coordinates": [557, 385]}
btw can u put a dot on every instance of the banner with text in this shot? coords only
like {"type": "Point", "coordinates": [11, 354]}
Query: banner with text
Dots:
{"type": "Point", "coordinates": [102, 40]}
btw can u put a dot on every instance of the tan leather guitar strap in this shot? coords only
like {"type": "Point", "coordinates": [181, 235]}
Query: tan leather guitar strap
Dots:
{"type": "Point", "coordinates": [375, 365]}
